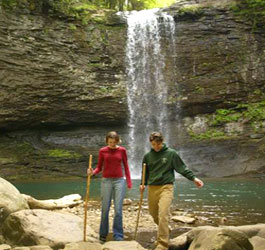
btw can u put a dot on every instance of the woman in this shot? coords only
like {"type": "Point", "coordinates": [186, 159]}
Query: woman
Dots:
{"type": "Point", "coordinates": [112, 161]}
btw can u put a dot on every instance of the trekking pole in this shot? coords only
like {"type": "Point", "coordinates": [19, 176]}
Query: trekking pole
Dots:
{"type": "Point", "coordinates": [87, 195]}
{"type": "Point", "coordinates": [141, 200]}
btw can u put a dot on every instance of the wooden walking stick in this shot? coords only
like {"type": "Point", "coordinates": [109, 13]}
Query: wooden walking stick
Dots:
{"type": "Point", "coordinates": [141, 200]}
{"type": "Point", "coordinates": [87, 195]}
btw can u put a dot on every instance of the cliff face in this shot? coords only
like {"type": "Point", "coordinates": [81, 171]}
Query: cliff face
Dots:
{"type": "Point", "coordinates": [57, 73]}
{"type": "Point", "coordinates": [220, 59]}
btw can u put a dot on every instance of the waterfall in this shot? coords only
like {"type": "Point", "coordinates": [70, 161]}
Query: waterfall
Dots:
{"type": "Point", "coordinates": [147, 90]}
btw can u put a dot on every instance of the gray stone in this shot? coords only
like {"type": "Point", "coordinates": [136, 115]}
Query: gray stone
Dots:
{"type": "Point", "coordinates": [257, 242]}
{"type": "Point", "coordinates": [183, 219]}
{"type": "Point", "coordinates": [41, 227]}
{"type": "Point", "coordinates": [4, 247]}
{"type": "Point", "coordinates": [251, 230]}
{"type": "Point", "coordinates": [10, 199]}
{"type": "Point", "coordinates": [224, 239]}
{"type": "Point", "coordinates": [21, 248]}
{"type": "Point", "coordinates": [241, 236]}
{"type": "Point", "coordinates": [83, 246]}
{"type": "Point", "coordinates": [256, 136]}
{"type": "Point", "coordinates": [122, 245]}
{"type": "Point", "coordinates": [40, 247]}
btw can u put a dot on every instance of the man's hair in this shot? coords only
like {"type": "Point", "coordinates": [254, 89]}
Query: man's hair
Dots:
{"type": "Point", "coordinates": [156, 136]}
{"type": "Point", "coordinates": [112, 135]}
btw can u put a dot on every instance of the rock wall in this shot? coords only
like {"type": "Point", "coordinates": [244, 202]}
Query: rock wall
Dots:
{"type": "Point", "coordinates": [63, 86]}
{"type": "Point", "coordinates": [58, 72]}
{"type": "Point", "coordinates": [219, 59]}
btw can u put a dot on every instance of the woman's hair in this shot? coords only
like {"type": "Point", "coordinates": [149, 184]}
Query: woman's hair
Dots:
{"type": "Point", "coordinates": [156, 136]}
{"type": "Point", "coordinates": [113, 135]}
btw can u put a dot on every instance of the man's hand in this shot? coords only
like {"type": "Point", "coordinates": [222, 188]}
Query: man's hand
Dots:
{"type": "Point", "coordinates": [199, 183]}
{"type": "Point", "coordinates": [142, 188]}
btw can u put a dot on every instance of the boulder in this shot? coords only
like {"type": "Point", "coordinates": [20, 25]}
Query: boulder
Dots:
{"type": "Point", "coordinates": [255, 234]}
{"type": "Point", "coordinates": [4, 247]}
{"type": "Point", "coordinates": [252, 230]}
{"type": "Point", "coordinates": [40, 247]}
{"type": "Point", "coordinates": [257, 242]}
{"type": "Point", "coordinates": [83, 246]}
{"type": "Point", "coordinates": [42, 227]}
{"type": "Point", "coordinates": [225, 239]}
{"type": "Point", "coordinates": [179, 243]}
{"type": "Point", "coordinates": [10, 200]}
{"type": "Point", "coordinates": [21, 248]}
{"type": "Point", "coordinates": [122, 245]}
{"type": "Point", "coordinates": [184, 240]}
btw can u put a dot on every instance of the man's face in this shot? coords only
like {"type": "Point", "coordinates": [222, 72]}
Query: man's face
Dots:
{"type": "Point", "coordinates": [157, 145]}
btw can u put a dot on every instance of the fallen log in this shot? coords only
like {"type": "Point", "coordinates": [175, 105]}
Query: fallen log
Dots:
{"type": "Point", "coordinates": [64, 202]}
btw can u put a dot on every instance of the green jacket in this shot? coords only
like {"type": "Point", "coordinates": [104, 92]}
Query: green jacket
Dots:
{"type": "Point", "coordinates": [160, 167]}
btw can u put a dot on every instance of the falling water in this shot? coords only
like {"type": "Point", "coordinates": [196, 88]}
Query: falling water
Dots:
{"type": "Point", "coordinates": [147, 89]}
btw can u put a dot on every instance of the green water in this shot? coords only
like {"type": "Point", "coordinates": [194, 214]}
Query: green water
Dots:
{"type": "Point", "coordinates": [241, 201]}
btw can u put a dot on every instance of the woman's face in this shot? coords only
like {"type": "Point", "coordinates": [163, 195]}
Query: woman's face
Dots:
{"type": "Point", "coordinates": [157, 145]}
{"type": "Point", "coordinates": [112, 143]}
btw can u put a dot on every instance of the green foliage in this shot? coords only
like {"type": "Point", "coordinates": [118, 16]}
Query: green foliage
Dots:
{"type": "Point", "coordinates": [192, 9]}
{"type": "Point", "coordinates": [158, 3]}
{"type": "Point", "coordinates": [9, 4]}
{"type": "Point", "coordinates": [23, 148]}
{"type": "Point", "coordinates": [85, 10]}
{"type": "Point", "coordinates": [252, 112]}
{"type": "Point", "coordinates": [72, 27]}
{"type": "Point", "coordinates": [225, 115]}
{"type": "Point", "coordinates": [60, 153]}
{"type": "Point", "coordinates": [209, 134]}
{"type": "Point", "coordinates": [252, 10]}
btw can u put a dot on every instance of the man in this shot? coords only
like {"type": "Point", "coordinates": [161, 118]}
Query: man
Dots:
{"type": "Point", "coordinates": [161, 162]}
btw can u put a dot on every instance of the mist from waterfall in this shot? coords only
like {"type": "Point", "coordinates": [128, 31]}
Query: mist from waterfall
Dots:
{"type": "Point", "coordinates": [147, 90]}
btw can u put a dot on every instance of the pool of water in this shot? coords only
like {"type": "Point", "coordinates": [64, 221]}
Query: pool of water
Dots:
{"type": "Point", "coordinates": [240, 201]}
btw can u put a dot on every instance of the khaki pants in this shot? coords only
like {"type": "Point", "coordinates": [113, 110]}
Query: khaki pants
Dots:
{"type": "Point", "coordinates": [159, 201]}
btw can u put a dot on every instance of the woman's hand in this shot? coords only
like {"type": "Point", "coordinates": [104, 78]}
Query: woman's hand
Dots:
{"type": "Point", "coordinates": [90, 171]}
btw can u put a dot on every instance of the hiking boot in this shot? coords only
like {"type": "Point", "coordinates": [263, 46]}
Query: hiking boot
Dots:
{"type": "Point", "coordinates": [102, 239]}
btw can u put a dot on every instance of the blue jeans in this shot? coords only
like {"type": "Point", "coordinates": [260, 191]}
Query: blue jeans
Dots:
{"type": "Point", "coordinates": [112, 187]}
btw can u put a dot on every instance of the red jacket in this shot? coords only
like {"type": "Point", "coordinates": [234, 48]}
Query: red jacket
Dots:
{"type": "Point", "coordinates": [110, 161]}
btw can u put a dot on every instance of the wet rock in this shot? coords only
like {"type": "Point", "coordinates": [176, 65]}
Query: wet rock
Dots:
{"type": "Point", "coordinates": [256, 136]}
